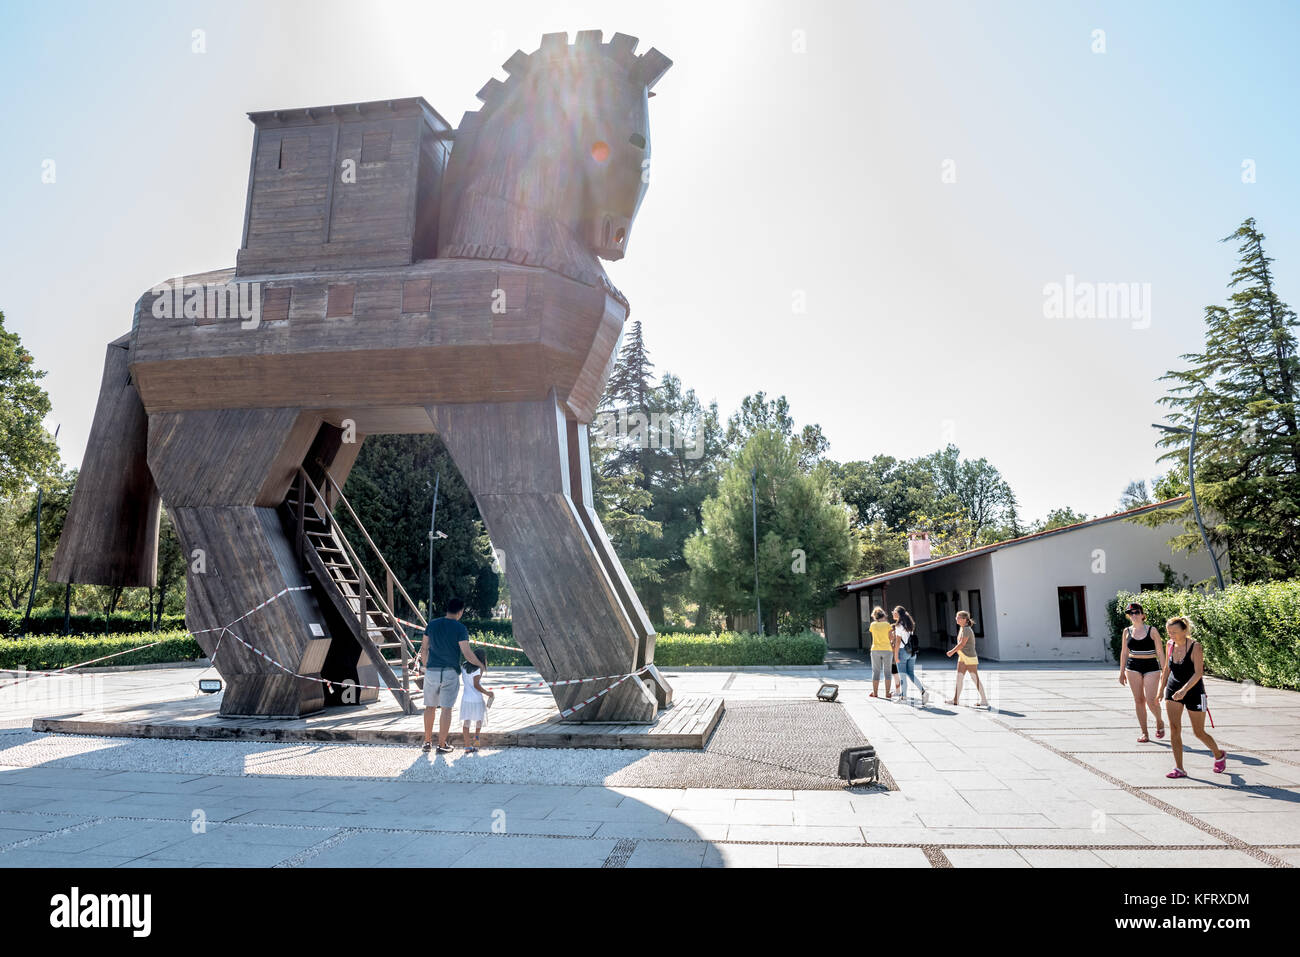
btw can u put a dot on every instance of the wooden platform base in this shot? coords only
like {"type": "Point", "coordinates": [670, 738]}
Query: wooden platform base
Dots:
{"type": "Point", "coordinates": [532, 723]}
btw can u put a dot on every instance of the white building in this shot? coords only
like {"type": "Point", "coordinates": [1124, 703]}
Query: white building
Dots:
{"type": "Point", "coordinates": [1037, 598]}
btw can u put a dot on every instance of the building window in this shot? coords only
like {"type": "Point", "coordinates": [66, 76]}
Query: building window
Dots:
{"type": "Point", "coordinates": [275, 303]}
{"type": "Point", "coordinates": [1156, 586]}
{"type": "Point", "coordinates": [293, 151]}
{"type": "Point", "coordinates": [941, 614]}
{"type": "Point", "coordinates": [1074, 615]}
{"type": "Point", "coordinates": [376, 145]}
{"type": "Point", "coordinates": [340, 300]}
{"type": "Point", "coordinates": [976, 610]}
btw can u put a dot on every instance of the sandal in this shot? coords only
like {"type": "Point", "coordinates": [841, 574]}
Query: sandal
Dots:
{"type": "Point", "coordinates": [1220, 764]}
{"type": "Point", "coordinates": [1177, 773]}
{"type": "Point", "coordinates": [1160, 731]}
{"type": "Point", "coordinates": [1144, 739]}
{"type": "Point", "coordinates": [873, 695]}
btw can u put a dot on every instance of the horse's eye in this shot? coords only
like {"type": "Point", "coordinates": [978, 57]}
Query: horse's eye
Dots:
{"type": "Point", "coordinates": [637, 140]}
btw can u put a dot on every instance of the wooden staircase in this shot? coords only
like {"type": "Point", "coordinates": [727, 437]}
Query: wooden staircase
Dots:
{"type": "Point", "coordinates": [331, 559]}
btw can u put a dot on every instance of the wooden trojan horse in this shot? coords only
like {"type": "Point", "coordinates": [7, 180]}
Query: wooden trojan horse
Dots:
{"type": "Point", "coordinates": [395, 276]}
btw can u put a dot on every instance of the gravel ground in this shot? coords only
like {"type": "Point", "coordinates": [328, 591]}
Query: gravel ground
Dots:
{"type": "Point", "coordinates": [758, 744]}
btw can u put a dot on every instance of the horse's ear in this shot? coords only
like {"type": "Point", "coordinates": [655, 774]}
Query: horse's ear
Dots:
{"type": "Point", "coordinates": [651, 66]}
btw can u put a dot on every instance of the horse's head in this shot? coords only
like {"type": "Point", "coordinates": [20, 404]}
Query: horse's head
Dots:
{"type": "Point", "coordinates": [566, 137]}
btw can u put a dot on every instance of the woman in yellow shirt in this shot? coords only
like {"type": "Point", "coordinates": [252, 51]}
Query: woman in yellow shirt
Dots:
{"type": "Point", "coordinates": [967, 660]}
{"type": "Point", "coordinates": [882, 651]}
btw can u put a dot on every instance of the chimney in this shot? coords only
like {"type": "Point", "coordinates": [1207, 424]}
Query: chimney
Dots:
{"type": "Point", "coordinates": [918, 547]}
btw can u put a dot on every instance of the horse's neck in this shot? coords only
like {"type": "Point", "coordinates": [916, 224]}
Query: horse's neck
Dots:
{"type": "Point", "coordinates": [485, 222]}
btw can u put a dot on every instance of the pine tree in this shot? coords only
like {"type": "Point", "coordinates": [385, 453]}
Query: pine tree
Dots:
{"type": "Point", "coordinates": [1248, 442]}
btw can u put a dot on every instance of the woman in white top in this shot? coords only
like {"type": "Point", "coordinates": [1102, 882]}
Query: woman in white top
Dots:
{"type": "Point", "coordinates": [904, 626]}
{"type": "Point", "coordinates": [473, 707]}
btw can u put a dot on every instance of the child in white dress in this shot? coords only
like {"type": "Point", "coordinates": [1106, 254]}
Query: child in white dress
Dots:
{"type": "Point", "coordinates": [473, 706]}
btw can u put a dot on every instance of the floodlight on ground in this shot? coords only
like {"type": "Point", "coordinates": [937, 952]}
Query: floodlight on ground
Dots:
{"type": "Point", "coordinates": [859, 764]}
{"type": "Point", "coordinates": [209, 685]}
{"type": "Point", "coordinates": [828, 692]}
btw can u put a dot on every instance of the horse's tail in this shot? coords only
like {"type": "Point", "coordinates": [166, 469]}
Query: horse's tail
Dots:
{"type": "Point", "coordinates": [110, 536]}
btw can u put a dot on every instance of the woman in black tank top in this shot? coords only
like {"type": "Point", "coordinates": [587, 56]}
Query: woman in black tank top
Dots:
{"type": "Point", "coordinates": [1184, 690]}
{"type": "Point", "coordinates": [1141, 659]}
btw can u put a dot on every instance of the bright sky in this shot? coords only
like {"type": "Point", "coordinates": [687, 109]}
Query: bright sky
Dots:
{"type": "Point", "coordinates": [800, 157]}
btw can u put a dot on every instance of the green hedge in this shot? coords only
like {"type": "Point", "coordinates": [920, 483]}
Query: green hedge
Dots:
{"type": "Point", "coordinates": [739, 648]}
{"type": "Point", "coordinates": [47, 653]}
{"type": "Point", "coordinates": [1249, 632]}
{"type": "Point", "coordinates": [49, 621]}
{"type": "Point", "coordinates": [678, 649]}
{"type": "Point", "coordinates": [44, 653]}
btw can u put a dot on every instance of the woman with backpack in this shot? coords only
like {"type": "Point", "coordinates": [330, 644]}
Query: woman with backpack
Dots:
{"type": "Point", "coordinates": [905, 653]}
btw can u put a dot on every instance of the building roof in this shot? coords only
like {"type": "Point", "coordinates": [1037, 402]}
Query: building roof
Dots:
{"type": "Point", "coordinates": [867, 582]}
{"type": "Point", "coordinates": [312, 113]}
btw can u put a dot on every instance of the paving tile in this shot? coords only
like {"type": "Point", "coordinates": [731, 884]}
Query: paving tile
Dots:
{"type": "Point", "coordinates": [1050, 857]}
{"type": "Point", "coordinates": [1167, 859]}
{"type": "Point", "coordinates": [424, 850]}
{"type": "Point", "coordinates": [537, 852]}
{"type": "Point", "coordinates": [650, 854]}
{"type": "Point", "coordinates": [770, 833]}
{"type": "Point", "coordinates": [668, 830]}
{"type": "Point", "coordinates": [740, 855]}
{"type": "Point", "coordinates": [38, 857]}
{"type": "Point", "coordinates": [984, 857]}
{"type": "Point", "coordinates": [35, 821]}
{"type": "Point", "coordinates": [211, 848]}
{"type": "Point", "coordinates": [815, 856]}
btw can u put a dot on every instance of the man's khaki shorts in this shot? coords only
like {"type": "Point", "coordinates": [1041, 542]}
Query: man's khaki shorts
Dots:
{"type": "Point", "coordinates": [441, 686]}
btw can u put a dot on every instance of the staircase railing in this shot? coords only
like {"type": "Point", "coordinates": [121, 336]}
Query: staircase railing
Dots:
{"type": "Point", "coordinates": [368, 593]}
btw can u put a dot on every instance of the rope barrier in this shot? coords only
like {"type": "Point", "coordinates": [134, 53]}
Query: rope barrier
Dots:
{"type": "Point", "coordinates": [227, 630]}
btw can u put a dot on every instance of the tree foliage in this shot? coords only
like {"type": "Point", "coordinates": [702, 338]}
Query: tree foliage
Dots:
{"type": "Point", "coordinates": [1243, 385]}
{"type": "Point", "coordinates": [805, 547]}
{"type": "Point", "coordinates": [27, 450]}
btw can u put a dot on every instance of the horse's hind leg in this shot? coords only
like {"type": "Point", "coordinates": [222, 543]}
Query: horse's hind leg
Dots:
{"type": "Point", "coordinates": [575, 613]}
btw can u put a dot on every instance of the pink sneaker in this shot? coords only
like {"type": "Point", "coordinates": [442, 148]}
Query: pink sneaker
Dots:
{"type": "Point", "coordinates": [1177, 773]}
{"type": "Point", "coordinates": [1220, 764]}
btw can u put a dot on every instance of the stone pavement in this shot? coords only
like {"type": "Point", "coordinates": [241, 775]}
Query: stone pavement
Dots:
{"type": "Point", "coordinates": [1052, 777]}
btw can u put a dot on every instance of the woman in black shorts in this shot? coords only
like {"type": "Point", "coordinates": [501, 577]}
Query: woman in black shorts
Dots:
{"type": "Point", "coordinates": [1185, 691]}
{"type": "Point", "coordinates": [1141, 660]}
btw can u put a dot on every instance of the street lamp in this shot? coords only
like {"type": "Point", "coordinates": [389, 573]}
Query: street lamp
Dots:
{"type": "Point", "coordinates": [1191, 481]}
{"type": "Point", "coordinates": [433, 518]}
{"type": "Point", "coordinates": [753, 487]}
{"type": "Point", "coordinates": [36, 572]}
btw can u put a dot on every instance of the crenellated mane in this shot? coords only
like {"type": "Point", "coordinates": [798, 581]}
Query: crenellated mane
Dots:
{"type": "Point", "coordinates": [493, 224]}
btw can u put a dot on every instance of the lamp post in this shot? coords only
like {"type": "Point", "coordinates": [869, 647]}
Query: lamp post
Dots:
{"type": "Point", "coordinates": [1191, 481]}
{"type": "Point", "coordinates": [36, 572]}
{"type": "Point", "coordinates": [433, 518]}
{"type": "Point", "coordinates": [753, 488]}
